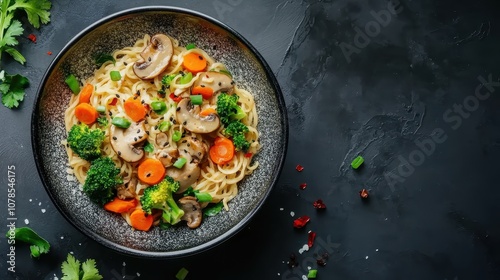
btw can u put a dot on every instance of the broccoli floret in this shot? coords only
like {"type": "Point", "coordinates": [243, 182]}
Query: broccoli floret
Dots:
{"type": "Point", "coordinates": [228, 109]}
{"type": "Point", "coordinates": [102, 179]}
{"type": "Point", "coordinates": [165, 83]}
{"type": "Point", "coordinates": [160, 196]}
{"type": "Point", "coordinates": [85, 142]}
{"type": "Point", "coordinates": [236, 130]}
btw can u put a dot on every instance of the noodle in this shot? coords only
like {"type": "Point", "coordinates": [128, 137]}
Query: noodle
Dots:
{"type": "Point", "coordinates": [220, 181]}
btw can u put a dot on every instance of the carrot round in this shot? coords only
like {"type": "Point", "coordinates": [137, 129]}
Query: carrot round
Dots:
{"type": "Point", "coordinates": [134, 109]}
{"type": "Point", "coordinates": [206, 92]}
{"type": "Point", "coordinates": [140, 220]}
{"type": "Point", "coordinates": [207, 112]}
{"type": "Point", "coordinates": [86, 93]}
{"type": "Point", "coordinates": [194, 62]}
{"type": "Point", "coordinates": [120, 206]}
{"type": "Point", "coordinates": [222, 151]}
{"type": "Point", "coordinates": [151, 171]}
{"type": "Point", "coordinates": [85, 113]}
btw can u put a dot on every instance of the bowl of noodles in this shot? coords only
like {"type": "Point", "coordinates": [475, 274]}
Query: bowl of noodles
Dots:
{"type": "Point", "coordinates": [159, 132]}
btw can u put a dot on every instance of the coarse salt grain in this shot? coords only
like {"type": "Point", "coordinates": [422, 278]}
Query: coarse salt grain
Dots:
{"type": "Point", "coordinates": [26, 221]}
{"type": "Point", "coordinates": [304, 248]}
{"type": "Point", "coordinates": [43, 210]}
{"type": "Point", "coordinates": [292, 213]}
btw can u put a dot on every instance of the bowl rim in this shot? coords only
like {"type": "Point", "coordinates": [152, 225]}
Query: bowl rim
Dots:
{"type": "Point", "coordinates": [177, 253]}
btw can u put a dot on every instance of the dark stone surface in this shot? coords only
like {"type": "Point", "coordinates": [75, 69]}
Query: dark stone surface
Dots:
{"type": "Point", "coordinates": [409, 98]}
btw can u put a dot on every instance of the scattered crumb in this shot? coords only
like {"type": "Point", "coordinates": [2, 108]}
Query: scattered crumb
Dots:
{"type": "Point", "coordinates": [80, 244]}
{"type": "Point", "coordinates": [124, 264]}
{"type": "Point", "coordinates": [279, 274]}
{"type": "Point", "coordinates": [376, 250]}
{"type": "Point", "coordinates": [308, 268]}
{"type": "Point", "coordinates": [304, 277]}
{"type": "Point", "coordinates": [40, 203]}
{"type": "Point", "coordinates": [31, 200]}
{"type": "Point", "coordinates": [281, 209]}
{"type": "Point", "coordinates": [292, 213]}
{"type": "Point", "coordinates": [62, 237]}
{"type": "Point", "coordinates": [26, 221]}
{"type": "Point", "coordinates": [304, 248]}
{"type": "Point", "coordinates": [138, 274]}
{"type": "Point", "coordinates": [55, 277]}
{"type": "Point", "coordinates": [43, 210]}
{"type": "Point", "coordinates": [71, 252]}
{"type": "Point", "coordinates": [366, 257]}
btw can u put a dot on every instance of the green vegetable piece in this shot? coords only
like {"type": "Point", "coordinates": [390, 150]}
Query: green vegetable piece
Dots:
{"type": "Point", "coordinates": [101, 109]}
{"type": "Point", "coordinates": [73, 83]}
{"type": "Point", "coordinates": [102, 178]}
{"type": "Point", "coordinates": [72, 271]}
{"type": "Point", "coordinates": [103, 121]}
{"type": "Point", "coordinates": [102, 58]}
{"type": "Point", "coordinates": [356, 163]}
{"type": "Point", "coordinates": [85, 142]}
{"type": "Point", "coordinates": [176, 136]}
{"type": "Point", "coordinates": [159, 107]}
{"type": "Point", "coordinates": [190, 46]}
{"type": "Point", "coordinates": [12, 89]}
{"type": "Point", "coordinates": [160, 196]}
{"type": "Point", "coordinates": [181, 274]}
{"type": "Point", "coordinates": [186, 78]}
{"type": "Point", "coordinates": [212, 209]}
{"type": "Point", "coordinates": [148, 147]}
{"type": "Point", "coordinates": [121, 122]}
{"type": "Point", "coordinates": [25, 234]}
{"type": "Point", "coordinates": [164, 126]}
{"type": "Point", "coordinates": [312, 274]}
{"type": "Point", "coordinates": [196, 99]}
{"type": "Point", "coordinates": [203, 197]}
{"type": "Point", "coordinates": [179, 163]}
{"type": "Point", "coordinates": [115, 75]}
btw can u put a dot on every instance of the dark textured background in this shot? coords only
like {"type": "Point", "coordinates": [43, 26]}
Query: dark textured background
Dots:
{"type": "Point", "coordinates": [433, 211]}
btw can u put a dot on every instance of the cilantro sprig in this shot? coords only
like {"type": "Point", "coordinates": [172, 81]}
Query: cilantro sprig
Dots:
{"type": "Point", "coordinates": [72, 269]}
{"type": "Point", "coordinates": [38, 13]}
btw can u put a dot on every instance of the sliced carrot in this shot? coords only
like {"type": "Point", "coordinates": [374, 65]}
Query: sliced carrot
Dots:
{"type": "Point", "coordinates": [205, 91]}
{"type": "Point", "coordinates": [207, 112]}
{"type": "Point", "coordinates": [134, 109]}
{"type": "Point", "coordinates": [151, 171]}
{"type": "Point", "coordinates": [120, 206]}
{"type": "Point", "coordinates": [194, 62]}
{"type": "Point", "coordinates": [86, 93]}
{"type": "Point", "coordinates": [85, 113]}
{"type": "Point", "coordinates": [222, 151]}
{"type": "Point", "coordinates": [140, 220]}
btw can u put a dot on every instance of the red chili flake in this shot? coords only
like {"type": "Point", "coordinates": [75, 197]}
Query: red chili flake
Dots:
{"type": "Point", "coordinates": [175, 98]}
{"type": "Point", "coordinates": [299, 168]}
{"type": "Point", "coordinates": [301, 221]}
{"type": "Point", "coordinates": [318, 204]}
{"type": "Point", "coordinates": [247, 155]}
{"type": "Point", "coordinates": [147, 107]}
{"type": "Point", "coordinates": [363, 193]}
{"type": "Point", "coordinates": [49, 53]}
{"type": "Point", "coordinates": [113, 102]}
{"type": "Point", "coordinates": [32, 38]}
{"type": "Point", "coordinates": [310, 238]}
{"type": "Point", "coordinates": [303, 186]}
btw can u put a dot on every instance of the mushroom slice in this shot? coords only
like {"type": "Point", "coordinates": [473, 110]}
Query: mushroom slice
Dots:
{"type": "Point", "coordinates": [192, 149]}
{"type": "Point", "coordinates": [162, 140]}
{"type": "Point", "coordinates": [189, 116]}
{"type": "Point", "coordinates": [215, 80]}
{"type": "Point", "coordinates": [155, 57]}
{"type": "Point", "coordinates": [186, 176]}
{"type": "Point", "coordinates": [192, 211]}
{"type": "Point", "coordinates": [127, 191]}
{"type": "Point", "coordinates": [123, 141]}
{"type": "Point", "coordinates": [167, 156]}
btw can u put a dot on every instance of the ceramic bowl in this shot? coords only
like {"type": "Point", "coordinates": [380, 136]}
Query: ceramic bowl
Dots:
{"type": "Point", "coordinates": [223, 43]}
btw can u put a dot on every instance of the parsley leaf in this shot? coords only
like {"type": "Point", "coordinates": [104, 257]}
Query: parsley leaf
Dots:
{"type": "Point", "coordinates": [71, 269]}
{"type": "Point", "coordinates": [12, 89]}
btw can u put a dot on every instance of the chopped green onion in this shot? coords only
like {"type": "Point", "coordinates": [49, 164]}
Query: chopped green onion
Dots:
{"type": "Point", "coordinates": [356, 163]}
{"type": "Point", "coordinates": [101, 109]}
{"type": "Point", "coordinates": [73, 84]}
{"type": "Point", "coordinates": [186, 78]}
{"type": "Point", "coordinates": [149, 147]}
{"type": "Point", "coordinates": [203, 197]}
{"type": "Point", "coordinates": [159, 107]}
{"type": "Point", "coordinates": [164, 126]}
{"type": "Point", "coordinates": [226, 72]}
{"type": "Point", "coordinates": [181, 275]}
{"type": "Point", "coordinates": [190, 46]}
{"type": "Point", "coordinates": [213, 209]}
{"type": "Point", "coordinates": [312, 273]}
{"type": "Point", "coordinates": [121, 122]}
{"type": "Point", "coordinates": [102, 58]}
{"type": "Point", "coordinates": [176, 136]}
{"type": "Point", "coordinates": [179, 163]}
{"type": "Point", "coordinates": [196, 99]}
{"type": "Point", "coordinates": [115, 75]}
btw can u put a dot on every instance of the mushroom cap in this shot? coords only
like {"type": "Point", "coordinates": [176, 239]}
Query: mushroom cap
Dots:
{"type": "Point", "coordinates": [215, 80]}
{"type": "Point", "coordinates": [192, 211]}
{"type": "Point", "coordinates": [155, 57]}
{"type": "Point", "coordinates": [186, 176]}
{"type": "Point", "coordinates": [123, 141]}
{"type": "Point", "coordinates": [188, 115]}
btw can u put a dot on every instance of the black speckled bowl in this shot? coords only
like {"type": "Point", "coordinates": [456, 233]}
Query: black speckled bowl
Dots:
{"type": "Point", "coordinates": [123, 29]}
